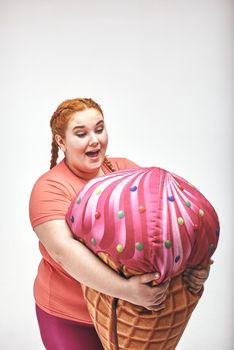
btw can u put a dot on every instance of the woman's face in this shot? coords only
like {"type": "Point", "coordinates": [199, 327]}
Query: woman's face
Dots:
{"type": "Point", "coordinates": [85, 143]}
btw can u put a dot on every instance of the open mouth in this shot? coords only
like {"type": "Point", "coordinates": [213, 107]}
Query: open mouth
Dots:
{"type": "Point", "coordinates": [92, 154]}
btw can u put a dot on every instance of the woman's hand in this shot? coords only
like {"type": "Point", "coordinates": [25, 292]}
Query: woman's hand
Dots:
{"type": "Point", "coordinates": [140, 292]}
{"type": "Point", "coordinates": [195, 277]}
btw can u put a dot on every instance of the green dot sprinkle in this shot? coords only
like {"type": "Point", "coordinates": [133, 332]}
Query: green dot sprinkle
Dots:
{"type": "Point", "coordinates": [211, 248]}
{"type": "Point", "coordinates": [139, 246]}
{"type": "Point", "coordinates": [98, 191]}
{"type": "Point", "coordinates": [188, 203]}
{"type": "Point", "coordinates": [119, 248]}
{"type": "Point", "coordinates": [78, 200]}
{"type": "Point", "coordinates": [121, 214]}
{"type": "Point", "coordinates": [201, 212]}
{"type": "Point", "coordinates": [168, 244]}
{"type": "Point", "coordinates": [93, 241]}
{"type": "Point", "coordinates": [180, 221]}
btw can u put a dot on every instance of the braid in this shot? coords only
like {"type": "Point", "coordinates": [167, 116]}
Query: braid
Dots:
{"type": "Point", "coordinates": [54, 153]}
{"type": "Point", "coordinates": [109, 165]}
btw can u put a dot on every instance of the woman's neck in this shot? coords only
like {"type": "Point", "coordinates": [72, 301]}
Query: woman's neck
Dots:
{"type": "Point", "coordinates": [85, 176]}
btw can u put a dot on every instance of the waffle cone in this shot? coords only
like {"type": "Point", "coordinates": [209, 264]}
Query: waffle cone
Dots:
{"type": "Point", "coordinates": [124, 326]}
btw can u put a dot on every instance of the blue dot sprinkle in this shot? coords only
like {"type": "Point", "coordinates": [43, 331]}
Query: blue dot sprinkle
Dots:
{"type": "Point", "coordinates": [177, 258]}
{"type": "Point", "coordinates": [72, 219]}
{"type": "Point", "coordinates": [217, 232]}
{"type": "Point", "coordinates": [133, 188]}
{"type": "Point", "coordinates": [171, 198]}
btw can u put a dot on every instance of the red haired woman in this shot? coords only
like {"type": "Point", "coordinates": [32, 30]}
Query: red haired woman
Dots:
{"type": "Point", "coordinates": [79, 130]}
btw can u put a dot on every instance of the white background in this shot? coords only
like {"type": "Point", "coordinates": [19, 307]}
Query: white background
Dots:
{"type": "Point", "coordinates": [162, 72]}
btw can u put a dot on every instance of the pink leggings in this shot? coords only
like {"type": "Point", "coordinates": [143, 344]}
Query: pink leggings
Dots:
{"type": "Point", "coordinates": [61, 334]}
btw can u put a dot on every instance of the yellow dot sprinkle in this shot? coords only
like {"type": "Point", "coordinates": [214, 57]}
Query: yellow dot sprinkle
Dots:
{"type": "Point", "coordinates": [201, 212]}
{"type": "Point", "coordinates": [98, 191]}
{"type": "Point", "coordinates": [119, 248]}
{"type": "Point", "coordinates": [180, 221]}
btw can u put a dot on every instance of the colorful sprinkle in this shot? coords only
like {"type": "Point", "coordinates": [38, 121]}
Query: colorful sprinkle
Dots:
{"type": "Point", "coordinates": [97, 215]}
{"type": "Point", "coordinates": [141, 209]}
{"type": "Point", "coordinates": [196, 227]}
{"type": "Point", "coordinates": [168, 244]}
{"type": "Point", "coordinates": [180, 221]}
{"type": "Point", "coordinates": [78, 200]}
{"type": "Point", "coordinates": [98, 191]}
{"type": "Point", "coordinates": [139, 246]}
{"type": "Point", "coordinates": [201, 212]}
{"type": "Point", "coordinates": [119, 248]}
{"type": "Point", "coordinates": [211, 248]}
{"type": "Point", "coordinates": [93, 241]}
{"type": "Point", "coordinates": [188, 203]}
{"type": "Point", "coordinates": [217, 232]}
{"type": "Point", "coordinates": [181, 187]}
{"type": "Point", "coordinates": [121, 214]}
{"type": "Point", "coordinates": [177, 258]}
{"type": "Point", "coordinates": [171, 198]}
{"type": "Point", "coordinates": [72, 219]}
{"type": "Point", "coordinates": [133, 188]}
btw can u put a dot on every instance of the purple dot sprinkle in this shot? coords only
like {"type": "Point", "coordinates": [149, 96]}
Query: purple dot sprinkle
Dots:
{"type": "Point", "coordinates": [171, 198]}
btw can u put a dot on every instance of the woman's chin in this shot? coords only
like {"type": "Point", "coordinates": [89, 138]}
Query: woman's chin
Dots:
{"type": "Point", "coordinates": [93, 166]}
{"type": "Point", "coordinates": [94, 162]}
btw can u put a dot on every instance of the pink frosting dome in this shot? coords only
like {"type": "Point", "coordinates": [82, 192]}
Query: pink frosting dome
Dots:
{"type": "Point", "coordinates": [147, 219]}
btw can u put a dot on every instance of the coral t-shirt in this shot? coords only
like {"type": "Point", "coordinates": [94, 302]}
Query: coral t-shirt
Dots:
{"type": "Point", "coordinates": [55, 291]}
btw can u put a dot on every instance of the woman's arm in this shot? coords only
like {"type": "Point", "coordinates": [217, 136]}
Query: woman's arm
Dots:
{"type": "Point", "coordinates": [87, 268]}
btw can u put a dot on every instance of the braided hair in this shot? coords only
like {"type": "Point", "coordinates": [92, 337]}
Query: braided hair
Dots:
{"type": "Point", "coordinates": [108, 164]}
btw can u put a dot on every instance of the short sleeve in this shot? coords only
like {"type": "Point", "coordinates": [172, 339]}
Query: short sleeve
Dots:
{"type": "Point", "coordinates": [49, 200]}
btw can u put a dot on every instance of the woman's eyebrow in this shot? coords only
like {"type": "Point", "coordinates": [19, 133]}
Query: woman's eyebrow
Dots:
{"type": "Point", "coordinates": [83, 126]}
{"type": "Point", "coordinates": [78, 127]}
{"type": "Point", "coordinates": [100, 122]}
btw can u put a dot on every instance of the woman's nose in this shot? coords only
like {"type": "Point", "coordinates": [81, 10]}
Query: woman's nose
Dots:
{"type": "Point", "coordinates": [93, 140]}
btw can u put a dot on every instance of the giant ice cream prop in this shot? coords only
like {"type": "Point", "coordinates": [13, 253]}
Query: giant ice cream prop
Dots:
{"type": "Point", "coordinates": [137, 221]}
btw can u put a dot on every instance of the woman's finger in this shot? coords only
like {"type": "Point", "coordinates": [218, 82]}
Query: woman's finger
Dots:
{"type": "Point", "coordinates": [149, 277]}
{"type": "Point", "coordinates": [202, 274]}
{"type": "Point", "coordinates": [156, 307]}
{"type": "Point", "coordinates": [194, 290]}
{"type": "Point", "coordinates": [194, 279]}
{"type": "Point", "coordinates": [193, 285]}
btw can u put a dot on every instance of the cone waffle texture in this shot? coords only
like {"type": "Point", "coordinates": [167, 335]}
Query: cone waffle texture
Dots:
{"type": "Point", "coordinates": [122, 325]}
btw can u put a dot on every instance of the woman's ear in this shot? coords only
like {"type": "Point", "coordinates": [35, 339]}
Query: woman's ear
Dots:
{"type": "Point", "coordinates": [60, 142]}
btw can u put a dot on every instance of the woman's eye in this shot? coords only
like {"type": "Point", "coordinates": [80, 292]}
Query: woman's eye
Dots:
{"type": "Point", "coordinates": [81, 135]}
{"type": "Point", "coordinates": [99, 131]}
